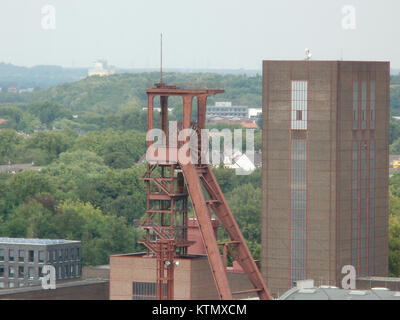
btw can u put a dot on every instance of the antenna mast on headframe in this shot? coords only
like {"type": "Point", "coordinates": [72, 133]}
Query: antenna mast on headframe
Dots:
{"type": "Point", "coordinates": [161, 58]}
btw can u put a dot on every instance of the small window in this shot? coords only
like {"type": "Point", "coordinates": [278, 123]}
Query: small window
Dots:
{"type": "Point", "coordinates": [40, 272]}
{"type": "Point", "coordinates": [41, 256]}
{"type": "Point", "coordinates": [21, 272]}
{"type": "Point", "coordinates": [146, 290]}
{"type": "Point", "coordinates": [1, 285]}
{"type": "Point", "coordinates": [31, 273]}
{"type": "Point", "coordinates": [11, 272]}
{"type": "Point", "coordinates": [59, 273]}
{"type": "Point", "coordinates": [1, 254]}
{"type": "Point", "coordinates": [299, 115]}
{"type": "Point", "coordinates": [1, 271]}
{"type": "Point", "coordinates": [21, 255]}
{"type": "Point", "coordinates": [31, 256]}
{"type": "Point", "coordinates": [11, 255]}
{"type": "Point", "coordinates": [11, 284]}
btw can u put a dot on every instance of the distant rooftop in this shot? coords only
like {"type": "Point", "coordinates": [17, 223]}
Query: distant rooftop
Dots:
{"type": "Point", "coordinates": [34, 241]}
{"type": "Point", "coordinates": [384, 279]}
{"type": "Point", "coordinates": [333, 293]}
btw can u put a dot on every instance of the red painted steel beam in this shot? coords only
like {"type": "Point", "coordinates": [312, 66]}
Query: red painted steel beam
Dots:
{"type": "Point", "coordinates": [227, 219]}
{"type": "Point", "coordinates": [207, 231]}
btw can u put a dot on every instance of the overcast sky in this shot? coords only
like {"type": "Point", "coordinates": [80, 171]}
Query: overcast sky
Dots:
{"type": "Point", "coordinates": [197, 33]}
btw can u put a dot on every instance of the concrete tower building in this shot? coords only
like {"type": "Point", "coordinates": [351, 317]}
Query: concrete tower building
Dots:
{"type": "Point", "coordinates": [325, 171]}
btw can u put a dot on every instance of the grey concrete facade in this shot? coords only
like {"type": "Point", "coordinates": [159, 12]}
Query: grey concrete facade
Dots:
{"type": "Point", "coordinates": [329, 139]}
{"type": "Point", "coordinates": [22, 260]}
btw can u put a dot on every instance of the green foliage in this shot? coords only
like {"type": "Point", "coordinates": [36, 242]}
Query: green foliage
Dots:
{"type": "Point", "coordinates": [47, 111]}
{"type": "Point", "coordinates": [394, 225]}
{"type": "Point", "coordinates": [119, 149]}
{"type": "Point", "coordinates": [245, 203]}
{"type": "Point", "coordinates": [28, 184]}
{"type": "Point", "coordinates": [394, 245]}
{"type": "Point", "coordinates": [101, 234]}
{"type": "Point", "coordinates": [51, 143]}
{"type": "Point", "coordinates": [395, 99]}
{"type": "Point", "coordinates": [394, 130]}
{"type": "Point", "coordinates": [9, 140]}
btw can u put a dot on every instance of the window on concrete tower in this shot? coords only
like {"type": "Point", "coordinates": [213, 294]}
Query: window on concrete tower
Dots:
{"type": "Point", "coordinates": [298, 219]}
{"type": "Point", "coordinates": [299, 105]}
{"type": "Point", "coordinates": [372, 104]}
{"type": "Point", "coordinates": [355, 105]}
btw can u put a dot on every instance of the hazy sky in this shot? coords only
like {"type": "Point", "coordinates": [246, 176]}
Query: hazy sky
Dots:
{"type": "Point", "coordinates": [197, 33]}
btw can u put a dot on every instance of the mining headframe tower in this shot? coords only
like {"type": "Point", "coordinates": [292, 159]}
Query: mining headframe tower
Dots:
{"type": "Point", "coordinates": [170, 182]}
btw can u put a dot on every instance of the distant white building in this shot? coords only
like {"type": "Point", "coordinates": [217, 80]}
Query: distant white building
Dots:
{"type": "Point", "coordinates": [226, 109]}
{"type": "Point", "coordinates": [239, 161]}
{"type": "Point", "coordinates": [255, 112]}
{"type": "Point", "coordinates": [26, 90]}
{"type": "Point", "coordinates": [101, 68]}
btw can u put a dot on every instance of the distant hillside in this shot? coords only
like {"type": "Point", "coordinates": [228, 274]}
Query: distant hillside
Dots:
{"type": "Point", "coordinates": [107, 94]}
{"type": "Point", "coordinates": [38, 76]}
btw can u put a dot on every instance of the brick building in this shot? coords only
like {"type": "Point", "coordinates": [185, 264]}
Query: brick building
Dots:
{"type": "Point", "coordinates": [133, 276]}
{"type": "Point", "coordinates": [325, 171]}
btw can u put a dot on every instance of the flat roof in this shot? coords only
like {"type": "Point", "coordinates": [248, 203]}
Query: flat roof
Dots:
{"type": "Point", "coordinates": [38, 287]}
{"type": "Point", "coordinates": [383, 279]}
{"type": "Point", "coordinates": [341, 61]}
{"type": "Point", "coordinates": [331, 293]}
{"type": "Point", "coordinates": [143, 255]}
{"type": "Point", "coordinates": [35, 241]}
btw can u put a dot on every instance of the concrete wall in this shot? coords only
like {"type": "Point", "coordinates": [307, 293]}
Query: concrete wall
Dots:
{"type": "Point", "coordinates": [96, 272]}
{"type": "Point", "coordinates": [329, 136]}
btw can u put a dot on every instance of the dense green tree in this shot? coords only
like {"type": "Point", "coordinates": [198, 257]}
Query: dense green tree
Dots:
{"type": "Point", "coordinates": [51, 142]}
{"type": "Point", "coordinates": [27, 184]}
{"type": "Point", "coordinates": [245, 203]}
{"type": "Point", "coordinates": [394, 130]}
{"type": "Point", "coordinates": [13, 115]}
{"type": "Point", "coordinates": [48, 111]}
{"type": "Point", "coordinates": [124, 148]}
{"type": "Point", "coordinates": [101, 234]}
{"type": "Point", "coordinates": [118, 160]}
{"type": "Point", "coordinates": [394, 245]}
{"type": "Point", "coordinates": [71, 171]}
{"type": "Point", "coordinates": [121, 192]}
{"type": "Point", "coordinates": [9, 140]}
{"type": "Point", "coordinates": [30, 220]}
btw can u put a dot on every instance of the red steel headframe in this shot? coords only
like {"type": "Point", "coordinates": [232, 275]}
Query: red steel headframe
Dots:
{"type": "Point", "coordinates": [192, 179]}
